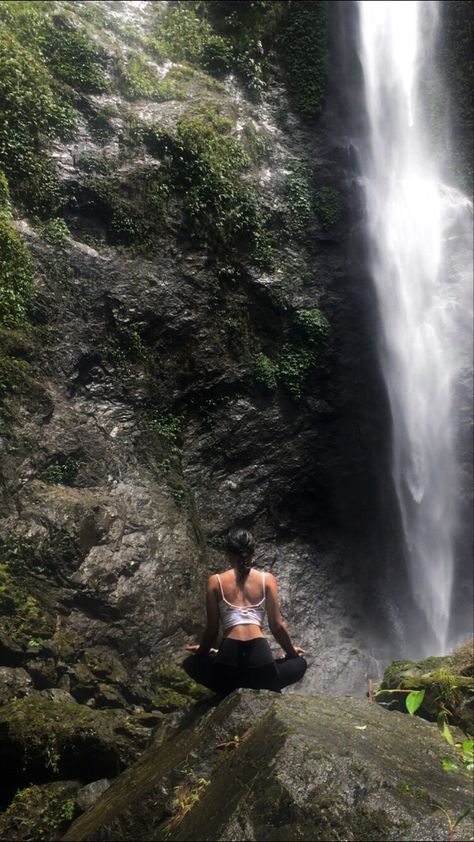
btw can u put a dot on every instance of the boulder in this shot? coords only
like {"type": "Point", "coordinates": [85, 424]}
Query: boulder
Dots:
{"type": "Point", "coordinates": [14, 683]}
{"type": "Point", "coordinates": [262, 766]}
{"type": "Point", "coordinates": [43, 739]}
{"type": "Point", "coordinates": [90, 793]}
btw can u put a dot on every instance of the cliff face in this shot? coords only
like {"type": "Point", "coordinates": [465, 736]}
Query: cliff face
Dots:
{"type": "Point", "coordinates": [197, 349]}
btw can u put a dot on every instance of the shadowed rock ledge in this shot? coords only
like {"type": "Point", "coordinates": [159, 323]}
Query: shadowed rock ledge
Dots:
{"type": "Point", "coordinates": [267, 767]}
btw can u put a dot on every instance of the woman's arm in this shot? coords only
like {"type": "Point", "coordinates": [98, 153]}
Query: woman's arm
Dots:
{"type": "Point", "coordinates": [275, 620]}
{"type": "Point", "coordinates": [212, 625]}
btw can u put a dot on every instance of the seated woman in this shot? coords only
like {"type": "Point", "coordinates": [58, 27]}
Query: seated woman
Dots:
{"type": "Point", "coordinates": [240, 597]}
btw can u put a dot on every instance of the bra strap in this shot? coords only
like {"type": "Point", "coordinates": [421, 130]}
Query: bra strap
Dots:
{"type": "Point", "coordinates": [220, 585]}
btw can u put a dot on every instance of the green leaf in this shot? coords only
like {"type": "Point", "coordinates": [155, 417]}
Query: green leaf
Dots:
{"type": "Point", "coordinates": [462, 816]}
{"type": "Point", "coordinates": [448, 765]}
{"type": "Point", "coordinates": [468, 748]}
{"type": "Point", "coordinates": [414, 700]}
{"type": "Point", "coordinates": [444, 728]}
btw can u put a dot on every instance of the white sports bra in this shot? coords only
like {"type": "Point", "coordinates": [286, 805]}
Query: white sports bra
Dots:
{"type": "Point", "coordinates": [241, 615]}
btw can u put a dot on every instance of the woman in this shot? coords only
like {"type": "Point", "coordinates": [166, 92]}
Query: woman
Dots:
{"type": "Point", "coordinates": [240, 597]}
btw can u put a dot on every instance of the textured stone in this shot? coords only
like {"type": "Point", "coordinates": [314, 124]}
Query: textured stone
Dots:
{"type": "Point", "coordinates": [89, 794]}
{"type": "Point", "coordinates": [14, 683]}
{"type": "Point", "coordinates": [267, 767]}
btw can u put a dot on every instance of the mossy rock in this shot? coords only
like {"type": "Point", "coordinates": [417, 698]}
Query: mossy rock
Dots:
{"type": "Point", "coordinates": [265, 766]}
{"type": "Point", "coordinates": [174, 690]}
{"type": "Point", "coordinates": [21, 617]}
{"type": "Point", "coordinates": [40, 812]}
{"type": "Point", "coordinates": [448, 682]}
{"type": "Point", "coordinates": [42, 740]}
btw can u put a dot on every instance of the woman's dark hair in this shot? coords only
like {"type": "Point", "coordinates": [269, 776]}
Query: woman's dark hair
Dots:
{"type": "Point", "coordinates": [240, 543]}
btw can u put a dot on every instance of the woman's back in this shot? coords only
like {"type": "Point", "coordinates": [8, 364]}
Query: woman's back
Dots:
{"type": "Point", "coordinates": [243, 593]}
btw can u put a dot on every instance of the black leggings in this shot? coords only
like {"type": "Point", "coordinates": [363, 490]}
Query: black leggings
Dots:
{"type": "Point", "coordinates": [244, 663]}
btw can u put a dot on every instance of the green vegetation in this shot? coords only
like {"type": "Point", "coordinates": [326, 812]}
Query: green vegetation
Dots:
{"type": "Point", "coordinates": [34, 110]}
{"type": "Point", "coordinates": [219, 37]}
{"type": "Point", "coordinates": [68, 53]}
{"type": "Point", "coordinates": [62, 472]}
{"type": "Point", "coordinates": [55, 231]}
{"type": "Point", "coordinates": [304, 54]}
{"type": "Point", "coordinates": [204, 166]}
{"type": "Point", "coordinates": [298, 201]}
{"type": "Point", "coordinates": [257, 144]}
{"type": "Point", "coordinates": [169, 427]}
{"type": "Point", "coordinates": [294, 364]}
{"type": "Point", "coordinates": [328, 207]}
{"type": "Point", "coordinates": [13, 376]}
{"type": "Point", "coordinates": [20, 614]}
{"type": "Point", "coordinates": [139, 80]}
{"type": "Point", "coordinates": [295, 359]}
{"type": "Point", "coordinates": [314, 324]}
{"type": "Point", "coordinates": [266, 371]}
{"type": "Point", "coordinates": [16, 269]}
{"type": "Point", "coordinates": [40, 812]}
{"type": "Point", "coordinates": [100, 121]}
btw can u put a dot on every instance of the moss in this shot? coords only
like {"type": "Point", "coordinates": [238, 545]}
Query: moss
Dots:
{"type": "Point", "coordinates": [49, 739]}
{"type": "Point", "coordinates": [20, 614]}
{"type": "Point", "coordinates": [33, 112]}
{"type": "Point", "coordinates": [328, 207]}
{"type": "Point", "coordinates": [40, 812]}
{"type": "Point", "coordinates": [138, 80]}
{"type": "Point", "coordinates": [13, 376]}
{"type": "Point", "coordinates": [265, 370]}
{"type": "Point", "coordinates": [204, 166]}
{"type": "Point", "coordinates": [313, 324]}
{"type": "Point", "coordinates": [16, 275]}
{"type": "Point", "coordinates": [298, 201]}
{"type": "Point", "coordinates": [174, 690]}
{"type": "Point", "coordinates": [304, 52]}
{"type": "Point", "coordinates": [294, 364]}
{"type": "Point", "coordinates": [69, 53]}
{"type": "Point", "coordinates": [55, 231]}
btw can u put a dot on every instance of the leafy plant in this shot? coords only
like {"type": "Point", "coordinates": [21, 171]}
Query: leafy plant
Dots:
{"type": "Point", "coordinates": [294, 364]}
{"type": "Point", "coordinates": [16, 275]}
{"type": "Point", "coordinates": [313, 323]}
{"type": "Point", "coordinates": [328, 207]}
{"type": "Point", "coordinates": [304, 47]}
{"type": "Point", "coordinates": [265, 370]}
{"type": "Point", "coordinates": [298, 201]}
{"type": "Point", "coordinates": [55, 232]}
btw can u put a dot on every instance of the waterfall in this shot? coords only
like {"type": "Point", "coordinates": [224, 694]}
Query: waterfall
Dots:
{"type": "Point", "coordinates": [420, 234]}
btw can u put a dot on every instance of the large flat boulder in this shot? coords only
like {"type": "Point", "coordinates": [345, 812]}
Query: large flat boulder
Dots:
{"type": "Point", "coordinates": [262, 766]}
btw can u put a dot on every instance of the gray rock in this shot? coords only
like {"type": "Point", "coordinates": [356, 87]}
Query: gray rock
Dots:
{"type": "Point", "coordinates": [57, 694]}
{"type": "Point", "coordinates": [89, 794]}
{"type": "Point", "coordinates": [268, 767]}
{"type": "Point", "coordinates": [14, 684]}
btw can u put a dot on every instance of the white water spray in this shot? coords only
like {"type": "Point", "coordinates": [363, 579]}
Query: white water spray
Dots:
{"type": "Point", "coordinates": [421, 263]}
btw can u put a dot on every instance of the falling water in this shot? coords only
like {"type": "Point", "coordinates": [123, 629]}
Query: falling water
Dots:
{"type": "Point", "coordinates": [421, 262]}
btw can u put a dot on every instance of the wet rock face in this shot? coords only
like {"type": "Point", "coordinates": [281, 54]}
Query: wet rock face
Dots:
{"type": "Point", "coordinates": [262, 767]}
{"type": "Point", "coordinates": [150, 433]}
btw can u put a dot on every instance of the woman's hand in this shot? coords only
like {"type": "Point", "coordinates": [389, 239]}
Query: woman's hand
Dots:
{"type": "Point", "coordinates": [192, 647]}
{"type": "Point", "coordinates": [299, 650]}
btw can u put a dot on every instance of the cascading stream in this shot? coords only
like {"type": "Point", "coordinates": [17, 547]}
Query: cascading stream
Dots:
{"type": "Point", "coordinates": [421, 262]}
